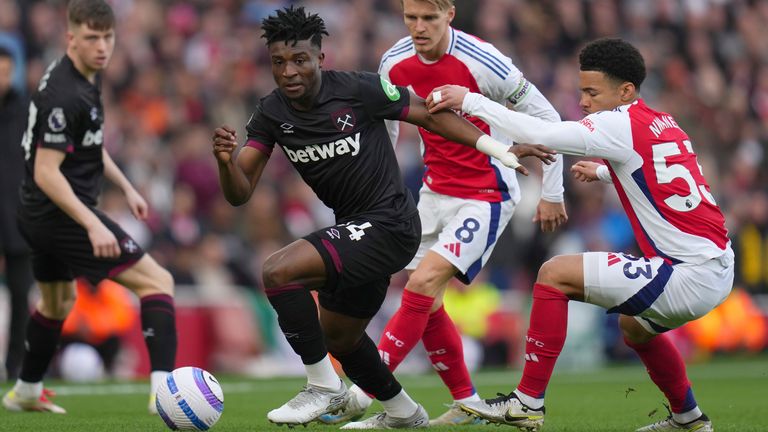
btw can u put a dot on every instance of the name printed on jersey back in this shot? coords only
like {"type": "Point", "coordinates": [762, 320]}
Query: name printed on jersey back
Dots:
{"type": "Point", "coordinates": [660, 123]}
{"type": "Point", "coordinates": [318, 152]}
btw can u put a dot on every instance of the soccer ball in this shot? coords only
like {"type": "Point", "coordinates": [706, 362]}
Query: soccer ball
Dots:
{"type": "Point", "coordinates": [190, 399]}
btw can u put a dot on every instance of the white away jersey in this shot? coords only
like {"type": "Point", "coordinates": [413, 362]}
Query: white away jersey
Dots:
{"type": "Point", "coordinates": [653, 168]}
{"type": "Point", "coordinates": [454, 169]}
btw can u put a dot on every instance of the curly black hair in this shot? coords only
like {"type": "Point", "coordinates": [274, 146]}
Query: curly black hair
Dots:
{"type": "Point", "coordinates": [616, 58]}
{"type": "Point", "coordinates": [293, 24]}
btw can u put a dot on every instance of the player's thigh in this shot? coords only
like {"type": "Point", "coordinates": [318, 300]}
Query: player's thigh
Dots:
{"type": "Point", "coordinates": [433, 217]}
{"type": "Point", "coordinates": [360, 256]}
{"type": "Point", "coordinates": [46, 266]}
{"type": "Point", "coordinates": [623, 283]}
{"type": "Point", "coordinates": [431, 276]}
{"type": "Point", "coordinates": [659, 295]}
{"type": "Point", "coordinates": [146, 277]}
{"type": "Point", "coordinates": [299, 263]}
{"type": "Point", "coordinates": [566, 273]}
{"type": "Point", "coordinates": [68, 242]}
{"type": "Point", "coordinates": [56, 298]}
{"type": "Point", "coordinates": [469, 237]}
{"type": "Point", "coordinates": [691, 292]}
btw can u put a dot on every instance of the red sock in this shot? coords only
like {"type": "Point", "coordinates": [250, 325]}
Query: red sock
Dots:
{"type": "Point", "coordinates": [545, 338]}
{"type": "Point", "coordinates": [443, 343]}
{"type": "Point", "coordinates": [405, 328]}
{"type": "Point", "coordinates": [665, 366]}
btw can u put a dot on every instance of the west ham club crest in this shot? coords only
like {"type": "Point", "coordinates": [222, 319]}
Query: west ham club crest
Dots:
{"type": "Point", "coordinates": [344, 119]}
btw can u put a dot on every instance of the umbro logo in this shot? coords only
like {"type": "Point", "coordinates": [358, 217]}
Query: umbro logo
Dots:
{"type": "Point", "coordinates": [454, 248]}
{"type": "Point", "coordinates": [287, 128]}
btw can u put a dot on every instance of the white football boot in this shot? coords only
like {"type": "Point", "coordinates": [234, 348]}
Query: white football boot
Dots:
{"type": "Point", "coordinates": [455, 417]}
{"type": "Point", "coordinates": [508, 410]}
{"type": "Point", "coordinates": [13, 402]}
{"type": "Point", "coordinates": [309, 404]}
{"type": "Point", "coordinates": [419, 419]}
{"type": "Point", "coordinates": [701, 424]}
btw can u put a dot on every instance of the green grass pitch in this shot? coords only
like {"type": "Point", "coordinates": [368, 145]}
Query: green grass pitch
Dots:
{"type": "Point", "coordinates": [731, 391]}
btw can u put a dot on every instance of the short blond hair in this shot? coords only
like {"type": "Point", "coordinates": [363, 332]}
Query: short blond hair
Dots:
{"type": "Point", "coordinates": [442, 5]}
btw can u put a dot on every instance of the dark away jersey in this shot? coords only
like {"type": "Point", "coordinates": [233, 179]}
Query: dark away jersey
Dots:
{"type": "Point", "coordinates": [341, 147]}
{"type": "Point", "coordinates": [66, 115]}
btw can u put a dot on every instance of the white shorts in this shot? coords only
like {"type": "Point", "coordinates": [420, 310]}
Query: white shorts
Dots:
{"type": "Point", "coordinates": [659, 295]}
{"type": "Point", "coordinates": [463, 231]}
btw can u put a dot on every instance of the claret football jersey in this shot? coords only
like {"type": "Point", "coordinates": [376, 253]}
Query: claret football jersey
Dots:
{"type": "Point", "coordinates": [341, 147]}
{"type": "Point", "coordinates": [65, 114]}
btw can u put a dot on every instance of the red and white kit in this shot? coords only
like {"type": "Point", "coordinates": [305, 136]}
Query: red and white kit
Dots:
{"type": "Point", "coordinates": [467, 197]}
{"type": "Point", "coordinates": [687, 268]}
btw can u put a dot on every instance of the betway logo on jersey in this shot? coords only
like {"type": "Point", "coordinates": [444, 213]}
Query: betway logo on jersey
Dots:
{"type": "Point", "coordinates": [317, 152]}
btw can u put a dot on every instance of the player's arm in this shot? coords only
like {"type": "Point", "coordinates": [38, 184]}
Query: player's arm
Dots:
{"type": "Point", "coordinates": [52, 182]}
{"type": "Point", "coordinates": [393, 126]}
{"type": "Point", "coordinates": [565, 137]}
{"type": "Point", "coordinates": [588, 171]}
{"type": "Point", "coordinates": [136, 202]}
{"type": "Point", "coordinates": [238, 174]}
{"type": "Point", "coordinates": [455, 128]}
{"type": "Point", "coordinates": [526, 98]}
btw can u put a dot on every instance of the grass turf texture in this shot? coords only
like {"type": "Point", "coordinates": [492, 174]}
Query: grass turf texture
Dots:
{"type": "Point", "coordinates": [731, 391]}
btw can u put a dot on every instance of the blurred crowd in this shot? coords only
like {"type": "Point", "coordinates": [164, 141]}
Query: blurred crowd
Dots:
{"type": "Point", "coordinates": [181, 68]}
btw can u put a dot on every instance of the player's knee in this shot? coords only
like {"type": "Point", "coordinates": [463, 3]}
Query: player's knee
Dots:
{"type": "Point", "coordinates": [424, 282]}
{"type": "Point", "coordinates": [275, 274]}
{"type": "Point", "coordinates": [340, 342]}
{"type": "Point", "coordinates": [632, 330]}
{"type": "Point", "coordinates": [165, 282]}
{"type": "Point", "coordinates": [550, 272]}
{"type": "Point", "coordinates": [56, 309]}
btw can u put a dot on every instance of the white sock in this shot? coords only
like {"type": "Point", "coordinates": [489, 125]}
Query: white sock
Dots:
{"type": "Point", "coordinates": [322, 374]}
{"type": "Point", "coordinates": [362, 397]}
{"type": "Point", "coordinates": [400, 406]}
{"type": "Point", "coordinates": [27, 390]}
{"type": "Point", "coordinates": [473, 398]}
{"type": "Point", "coordinates": [530, 401]}
{"type": "Point", "coordinates": [155, 379]}
{"type": "Point", "coordinates": [687, 416]}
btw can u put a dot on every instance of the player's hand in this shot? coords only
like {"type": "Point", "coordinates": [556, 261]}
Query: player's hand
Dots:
{"type": "Point", "coordinates": [546, 154]}
{"type": "Point", "coordinates": [103, 241]}
{"type": "Point", "coordinates": [224, 143]}
{"type": "Point", "coordinates": [137, 204]}
{"type": "Point", "coordinates": [550, 215]}
{"type": "Point", "coordinates": [585, 171]}
{"type": "Point", "coordinates": [450, 97]}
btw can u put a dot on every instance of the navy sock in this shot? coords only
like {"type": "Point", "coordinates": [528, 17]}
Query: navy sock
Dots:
{"type": "Point", "coordinates": [158, 323]}
{"type": "Point", "coordinates": [297, 316]}
{"type": "Point", "coordinates": [364, 367]}
{"type": "Point", "coordinates": [42, 341]}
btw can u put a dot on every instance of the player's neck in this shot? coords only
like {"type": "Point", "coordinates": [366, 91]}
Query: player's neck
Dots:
{"type": "Point", "coordinates": [84, 70]}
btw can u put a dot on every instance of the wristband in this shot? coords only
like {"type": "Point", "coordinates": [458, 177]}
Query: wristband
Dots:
{"type": "Point", "coordinates": [603, 174]}
{"type": "Point", "coordinates": [493, 148]}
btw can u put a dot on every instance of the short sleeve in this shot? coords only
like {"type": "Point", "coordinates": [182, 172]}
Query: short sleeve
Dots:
{"type": "Point", "coordinates": [382, 99]}
{"type": "Point", "coordinates": [259, 135]}
{"type": "Point", "coordinates": [57, 118]}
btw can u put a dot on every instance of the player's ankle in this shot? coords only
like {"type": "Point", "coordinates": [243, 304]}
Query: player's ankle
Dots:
{"type": "Point", "coordinates": [28, 390]}
{"type": "Point", "coordinates": [530, 401]}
